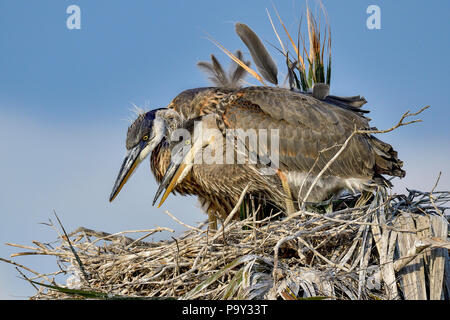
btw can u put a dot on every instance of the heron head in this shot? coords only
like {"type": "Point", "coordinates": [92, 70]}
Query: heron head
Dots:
{"type": "Point", "coordinates": [146, 132]}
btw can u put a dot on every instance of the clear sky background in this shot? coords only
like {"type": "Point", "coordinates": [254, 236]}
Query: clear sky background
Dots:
{"type": "Point", "coordinates": [65, 96]}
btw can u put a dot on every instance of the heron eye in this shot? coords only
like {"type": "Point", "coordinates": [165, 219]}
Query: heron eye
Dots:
{"type": "Point", "coordinates": [145, 138]}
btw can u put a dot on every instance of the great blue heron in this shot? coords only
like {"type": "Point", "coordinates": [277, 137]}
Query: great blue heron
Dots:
{"type": "Point", "coordinates": [310, 132]}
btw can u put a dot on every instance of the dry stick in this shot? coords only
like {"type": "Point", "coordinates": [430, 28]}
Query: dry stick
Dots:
{"type": "Point", "coordinates": [232, 213]}
{"type": "Point", "coordinates": [348, 222]}
{"type": "Point", "coordinates": [301, 213]}
{"type": "Point", "coordinates": [183, 224]}
{"type": "Point", "coordinates": [181, 275]}
{"type": "Point", "coordinates": [359, 131]}
{"type": "Point", "coordinates": [177, 269]}
{"type": "Point", "coordinates": [116, 235]}
{"type": "Point", "coordinates": [328, 165]}
{"type": "Point", "coordinates": [292, 237]}
{"type": "Point", "coordinates": [40, 252]}
{"type": "Point", "coordinates": [101, 235]}
{"type": "Point", "coordinates": [85, 275]}
{"type": "Point", "coordinates": [352, 222]}
{"type": "Point", "coordinates": [254, 225]}
{"type": "Point", "coordinates": [335, 265]}
{"type": "Point", "coordinates": [224, 224]}
{"type": "Point", "coordinates": [21, 246]}
{"type": "Point", "coordinates": [366, 247]}
{"type": "Point", "coordinates": [420, 246]}
{"type": "Point", "coordinates": [25, 277]}
{"type": "Point", "coordinates": [143, 280]}
{"type": "Point", "coordinates": [55, 273]}
{"type": "Point", "coordinates": [351, 250]}
{"type": "Point", "coordinates": [40, 245]}
{"type": "Point", "coordinates": [313, 166]}
{"type": "Point", "coordinates": [190, 233]}
{"type": "Point", "coordinates": [199, 255]}
{"type": "Point", "coordinates": [159, 229]}
{"type": "Point", "coordinates": [26, 268]}
{"type": "Point", "coordinates": [431, 196]}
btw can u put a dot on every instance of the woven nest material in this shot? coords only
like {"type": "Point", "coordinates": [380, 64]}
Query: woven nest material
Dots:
{"type": "Point", "coordinates": [380, 248]}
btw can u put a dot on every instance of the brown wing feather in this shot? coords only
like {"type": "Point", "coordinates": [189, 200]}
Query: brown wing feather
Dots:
{"type": "Point", "coordinates": [293, 107]}
{"type": "Point", "coordinates": [197, 102]}
{"type": "Point", "coordinates": [307, 128]}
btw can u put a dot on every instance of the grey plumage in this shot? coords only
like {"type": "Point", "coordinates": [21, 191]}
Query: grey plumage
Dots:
{"type": "Point", "coordinates": [263, 61]}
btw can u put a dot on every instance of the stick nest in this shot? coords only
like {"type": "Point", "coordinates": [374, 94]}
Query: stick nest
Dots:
{"type": "Point", "coordinates": [357, 247]}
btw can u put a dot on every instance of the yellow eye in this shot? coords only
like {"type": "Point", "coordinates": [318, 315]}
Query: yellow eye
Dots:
{"type": "Point", "coordinates": [145, 138]}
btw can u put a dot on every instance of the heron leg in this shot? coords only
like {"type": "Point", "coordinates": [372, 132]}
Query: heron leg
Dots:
{"type": "Point", "coordinates": [288, 200]}
{"type": "Point", "coordinates": [212, 219]}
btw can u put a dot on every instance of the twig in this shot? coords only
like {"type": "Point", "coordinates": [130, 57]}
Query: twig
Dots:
{"type": "Point", "coordinates": [232, 213]}
{"type": "Point", "coordinates": [25, 277]}
{"type": "Point", "coordinates": [432, 198]}
{"type": "Point", "coordinates": [80, 264]}
{"type": "Point", "coordinates": [182, 223]}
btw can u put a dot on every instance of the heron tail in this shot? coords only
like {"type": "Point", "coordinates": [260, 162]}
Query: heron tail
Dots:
{"type": "Point", "coordinates": [386, 161]}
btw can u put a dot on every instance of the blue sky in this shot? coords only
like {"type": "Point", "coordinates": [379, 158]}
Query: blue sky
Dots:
{"type": "Point", "coordinates": [65, 95]}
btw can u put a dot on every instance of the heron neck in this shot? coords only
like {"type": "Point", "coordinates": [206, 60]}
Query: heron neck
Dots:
{"type": "Point", "coordinates": [160, 160]}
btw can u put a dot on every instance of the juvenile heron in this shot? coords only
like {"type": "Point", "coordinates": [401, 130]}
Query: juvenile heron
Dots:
{"type": "Point", "coordinates": [310, 131]}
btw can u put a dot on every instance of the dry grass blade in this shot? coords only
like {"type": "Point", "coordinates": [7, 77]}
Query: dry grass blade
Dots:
{"type": "Point", "coordinates": [77, 258]}
{"type": "Point", "coordinates": [238, 61]}
{"type": "Point", "coordinates": [276, 33]}
{"type": "Point", "coordinates": [310, 59]}
{"type": "Point", "coordinates": [237, 73]}
{"type": "Point", "coordinates": [290, 38]}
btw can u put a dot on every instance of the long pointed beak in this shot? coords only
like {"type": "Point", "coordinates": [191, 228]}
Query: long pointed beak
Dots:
{"type": "Point", "coordinates": [177, 171]}
{"type": "Point", "coordinates": [170, 180]}
{"type": "Point", "coordinates": [130, 163]}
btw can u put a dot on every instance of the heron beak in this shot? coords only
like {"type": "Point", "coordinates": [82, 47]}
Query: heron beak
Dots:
{"type": "Point", "coordinates": [177, 171]}
{"type": "Point", "coordinates": [130, 163]}
{"type": "Point", "coordinates": [170, 180]}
